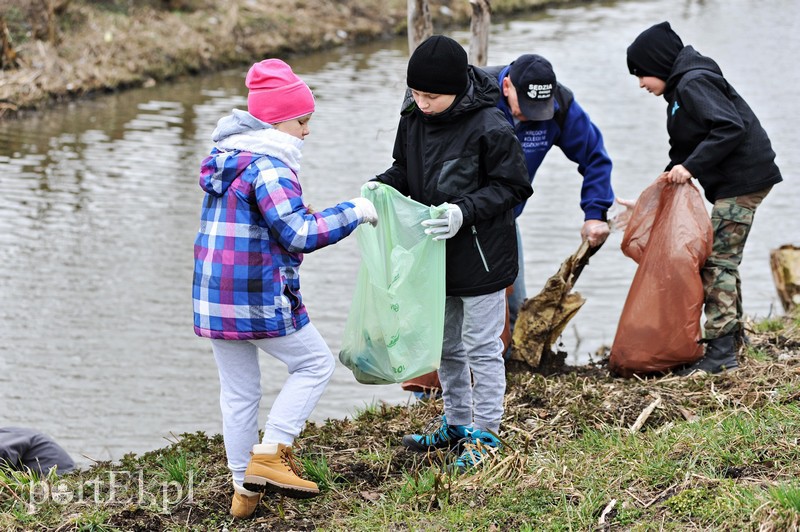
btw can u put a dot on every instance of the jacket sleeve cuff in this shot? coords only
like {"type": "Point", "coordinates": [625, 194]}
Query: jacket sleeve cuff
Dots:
{"type": "Point", "coordinates": [596, 214]}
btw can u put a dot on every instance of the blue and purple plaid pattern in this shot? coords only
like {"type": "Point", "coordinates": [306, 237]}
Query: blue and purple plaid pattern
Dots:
{"type": "Point", "coordinates": [254, 229]}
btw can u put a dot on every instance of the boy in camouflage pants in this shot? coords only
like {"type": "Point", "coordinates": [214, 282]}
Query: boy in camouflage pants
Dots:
{"type": "Point", "coordinates": [716, 138]}
{"type": "Point", "coordinates": [731, 219]}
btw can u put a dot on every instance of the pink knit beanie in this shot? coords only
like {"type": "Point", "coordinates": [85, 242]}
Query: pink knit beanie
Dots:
{"type": "Point", "coordinates": [276, 93]}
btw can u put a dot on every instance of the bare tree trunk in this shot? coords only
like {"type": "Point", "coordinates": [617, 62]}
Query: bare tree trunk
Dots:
{"type": "Point", "coordinates": [785, 264]}
{"type": "Point", "coordinates": [8, 56]}
{"type": "Point", "coordinates": [43, 17]}
{"type": "Point", "coordinates": [55, 8]}
{"type": "Point", "coordinates": [51, 21]}
{"type": "Point", "coordinates": [479, 26]}
{"type": "Point", "coordinates": [420, 26]}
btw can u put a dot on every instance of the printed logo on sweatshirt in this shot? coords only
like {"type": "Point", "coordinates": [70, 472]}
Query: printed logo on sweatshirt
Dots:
{"type": "Point", "coordinates": [675, 107]}
{"type": "Point", "coordinates": [534, 140]}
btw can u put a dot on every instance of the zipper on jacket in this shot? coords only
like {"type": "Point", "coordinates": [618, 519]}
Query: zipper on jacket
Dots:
{"type": "Point", "coordinates": [480, 251]}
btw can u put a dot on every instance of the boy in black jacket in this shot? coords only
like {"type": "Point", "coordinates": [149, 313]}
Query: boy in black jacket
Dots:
{"type": "Point", "coordinates": [716, 138]}
{"type": "Point", "coordinates": [453, 146]}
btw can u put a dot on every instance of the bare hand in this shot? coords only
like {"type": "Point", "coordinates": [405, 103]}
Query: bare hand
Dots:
{"type": "Point", "coordinates": [678, 174]}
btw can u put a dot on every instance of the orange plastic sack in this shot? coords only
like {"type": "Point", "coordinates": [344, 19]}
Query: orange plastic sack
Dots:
{"type": "Point", "coordinates": [670, 236]}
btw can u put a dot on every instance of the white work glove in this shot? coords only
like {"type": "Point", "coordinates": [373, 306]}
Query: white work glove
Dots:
{"type": "Point", "coordinates": [447, 225]}
{"type": "Point", "coordinates": [595, 231]}
{"type": "Point", "coordinates": [365, 211]}
{"type": "Point", "coordinates": [622, 215]}
{"type": "Point", "coordinates": [372, 185]}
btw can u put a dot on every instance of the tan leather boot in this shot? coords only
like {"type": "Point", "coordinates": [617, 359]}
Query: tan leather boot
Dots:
{"type": "Point", "coordinates": [244, 502]}
{"type": "Point", "coordinates": [273, 468]}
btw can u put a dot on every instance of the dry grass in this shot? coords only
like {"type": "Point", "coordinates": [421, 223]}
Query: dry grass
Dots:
{"type": "Point", "coordinates": [568, 434]}
{"type": "Point", "coordinates": [115, 44]}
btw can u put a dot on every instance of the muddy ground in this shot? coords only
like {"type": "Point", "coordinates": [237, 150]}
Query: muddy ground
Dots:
{"type": "Point", "coordinates": [555, 408]}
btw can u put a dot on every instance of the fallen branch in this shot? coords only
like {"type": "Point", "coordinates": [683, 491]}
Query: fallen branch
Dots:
{"type": "Point", "coordinates": [606, 510]}
{"type": "Point", "coordinates": [11, 491]}
{"type": "Point", "coordinates": [642, 419]}
{"type": "Point", "coordinates": [687, 415]}
{"type": "Point", "coordinates": [660, 495]}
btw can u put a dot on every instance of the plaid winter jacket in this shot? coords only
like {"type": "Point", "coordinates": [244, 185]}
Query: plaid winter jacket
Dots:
{"type": "Point", "coordinates": [254, 229]}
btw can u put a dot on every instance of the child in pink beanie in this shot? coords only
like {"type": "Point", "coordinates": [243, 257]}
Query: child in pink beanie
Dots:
{"type": "Point", "coordinates": [254, 229]}
{"type": "Point", "coordinates": [276, 93]}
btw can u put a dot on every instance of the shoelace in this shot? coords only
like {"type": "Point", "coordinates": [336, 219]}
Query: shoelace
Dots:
{"type": "Point", "coordinates": [473, 453]}
{"type": "Point", "coordinates": [288, 458]}
{"type": "Point", "coordinates": [473, 450]}
{"type": "Point", "coordinates": [432, 437]}
{"type": "Point", "coordinates": [456, 452]}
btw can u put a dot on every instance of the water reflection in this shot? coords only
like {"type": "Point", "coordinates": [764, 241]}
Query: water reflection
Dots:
{"type": "Point", "coordinates": [100, 205]}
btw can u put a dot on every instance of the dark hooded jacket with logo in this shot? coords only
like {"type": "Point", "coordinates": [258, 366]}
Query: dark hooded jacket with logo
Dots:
{"type": "Point", "coordinates": [468, 155]}
{"type": "Point", "coordinates": [713, 133]}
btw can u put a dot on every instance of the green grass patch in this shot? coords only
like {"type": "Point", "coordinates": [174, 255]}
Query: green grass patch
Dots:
{"type": "Point", "coordinates": [769, 325]}
{"type": "Point", "coordinates": [317, 470]}
{"type": "Point", "coordinates": [688, 473]}
{"type": "Point", "coordinates": [717, 453]}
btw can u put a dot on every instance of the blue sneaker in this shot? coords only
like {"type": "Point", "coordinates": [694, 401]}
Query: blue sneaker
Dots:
{"type": "Point", "coordinates": [444, 437]}
{"type": "Point", "coordinates": [427, 396]}
{"type": "Point", "coordinates": [478, 445]}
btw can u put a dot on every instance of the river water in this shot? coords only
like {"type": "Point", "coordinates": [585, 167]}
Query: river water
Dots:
{"type": "Point", "coordinates": [99, 207]}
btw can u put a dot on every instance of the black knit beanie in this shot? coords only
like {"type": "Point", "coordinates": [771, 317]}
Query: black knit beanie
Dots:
{"type": "Point", "coordinates": [654, 52]}
{"type": "Point", "coordinates": [438, 66]}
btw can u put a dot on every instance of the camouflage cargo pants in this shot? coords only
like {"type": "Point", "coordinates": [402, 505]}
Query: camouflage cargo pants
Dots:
{"type": "Point", "coordinates": [731, 219]}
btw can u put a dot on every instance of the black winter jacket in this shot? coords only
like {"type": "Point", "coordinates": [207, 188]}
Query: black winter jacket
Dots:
{"type": "Point", "coordinates": [713, 133]}
{"type": "Point", "coordinates": [468, 155]}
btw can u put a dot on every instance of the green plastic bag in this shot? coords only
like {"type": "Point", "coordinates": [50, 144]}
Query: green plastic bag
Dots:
{"type": "Point", "coordinates": [396, 322]}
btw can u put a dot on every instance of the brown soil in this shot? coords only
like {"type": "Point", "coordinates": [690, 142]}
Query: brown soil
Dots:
{"type": "Point", "coordinates": [555, 408]}
{"type": "Point", "coordinates": [107, 45]}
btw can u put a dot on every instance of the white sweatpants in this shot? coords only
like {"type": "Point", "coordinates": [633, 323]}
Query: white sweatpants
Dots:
{"type": "Point", "coordinates": [310, 364]}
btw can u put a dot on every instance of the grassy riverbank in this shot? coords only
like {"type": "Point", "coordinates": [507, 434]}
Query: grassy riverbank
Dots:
{"type": "Point", "coordinates": [581, 453]}
{"type": "Point", "coordinates": [108, 45]}
{"type": "Point", "coordinates": [716, 453]}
